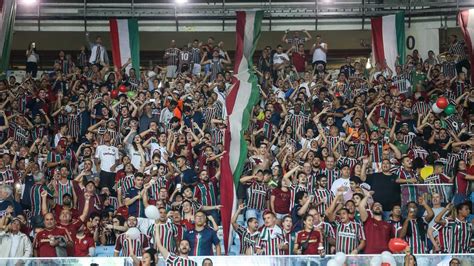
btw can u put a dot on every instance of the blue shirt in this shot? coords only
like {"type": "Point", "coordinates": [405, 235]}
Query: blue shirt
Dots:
{"type": "Point", "coordinates": [137, 208]}
{"type": "Point", "coordinates": [200, 242]}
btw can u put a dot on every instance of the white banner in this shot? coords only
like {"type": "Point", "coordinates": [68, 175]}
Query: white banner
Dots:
{"type": "Point", "coordinates": [423, 38]}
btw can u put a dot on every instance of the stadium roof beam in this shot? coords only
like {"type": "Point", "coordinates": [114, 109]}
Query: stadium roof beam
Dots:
{"type": "Point", "coordinates": [274, 10]}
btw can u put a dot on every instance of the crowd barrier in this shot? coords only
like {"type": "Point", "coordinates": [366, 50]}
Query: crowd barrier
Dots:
{"type": "Point", "coordinates": [358, 260]}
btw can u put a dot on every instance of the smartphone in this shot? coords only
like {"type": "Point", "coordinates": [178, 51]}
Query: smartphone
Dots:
{"type": "Point", "coordinates": [152, 100]}
{"type": "Point", "coordinates": [33, 45]}
{"type": "Point", "coordinates": [178, 187]}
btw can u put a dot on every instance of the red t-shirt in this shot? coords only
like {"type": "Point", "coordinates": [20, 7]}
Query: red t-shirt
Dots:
{"type": "Point", "coordinates": [72, 229]}
{"type": "Point", "coordinates": [81, 246]}
{"type": "Point", "coordinates": [378, 234]}
{"type": "Point", "coordinates": [313, 238]}
{"type": "Point", "coordinates": [282, 201]}
{"type": "Point", "coordinates": [462, 183]}
{"type": "Point", "coordinates": [299, 61]}
{"type": "Point", "coordinates": [42, 241]}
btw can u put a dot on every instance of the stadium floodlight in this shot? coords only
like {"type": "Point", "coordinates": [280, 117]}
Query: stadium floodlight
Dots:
{"type": "Point", "coordinates": [29, 2]}
{"type": "Point", "coordinates": [181, 2]}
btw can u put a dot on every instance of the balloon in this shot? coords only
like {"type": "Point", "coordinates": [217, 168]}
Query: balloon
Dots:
{"type": "Point", "coordinates": [397, 244]}
{"type": "Point", "coordinates": [387, 258]}
{"type": "Point", "coordinates": [450, 109]}
{"type": "Point", "coordinates": [152, 212]}
{"type": "Point", "coordinates": [133, 233]}
{"type": "Point", "coordinates": [426, 171]}
{"type": "Point", "coordinates": [114, 94]}
{"type": "Point", "coordinates": [131, 94]}
{"type": "Point", "coordinates": [376, 261]}
{"type": "Point", "coordinates": [122, 88]}
{"type": "Point", "coordinates": [436, 109]}
{"type": "Point", "coordinates": [332, 262]}
{"type": "Point", "coordinates": [442, 102]}
{"type": "Point", "coordinates": [340, 258]}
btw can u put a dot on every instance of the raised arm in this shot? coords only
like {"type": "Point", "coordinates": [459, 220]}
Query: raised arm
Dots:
{"type": "Point", "coordinates": [362, 210]}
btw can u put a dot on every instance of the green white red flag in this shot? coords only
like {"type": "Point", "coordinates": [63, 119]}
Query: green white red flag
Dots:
{"type": "Point", "coordinates": [242, 97]}
{"type": "Point", "coordinates": [125, 39]}
{"type": "Point", "coordinates": [388, 39]}
{"type": "Point", "coordinates": [7, 22]}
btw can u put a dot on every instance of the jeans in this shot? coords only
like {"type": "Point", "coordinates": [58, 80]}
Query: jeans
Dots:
{"type": "Point", "coordinates": [254, 213]}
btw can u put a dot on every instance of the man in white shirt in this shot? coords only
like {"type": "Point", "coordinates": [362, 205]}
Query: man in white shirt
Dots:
{"type": "Point", "coordinates": [344, 182]}
{"type": "Point", "coordinates": [15, 244]}
{"type": "Point", "coordinates": [319, 51]}
{"type": "Point", "coordinates": [167, 113]}
{"type": "Point", "coordinates": [106, 158]}
{"type": "Point", "coordinates": [98, 51]}
{"type": "Point", "coordinates": [280, 59]}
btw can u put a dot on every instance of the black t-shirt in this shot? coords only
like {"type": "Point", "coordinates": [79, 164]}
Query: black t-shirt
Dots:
{"type": "Point", "coordinates": [387, 191]}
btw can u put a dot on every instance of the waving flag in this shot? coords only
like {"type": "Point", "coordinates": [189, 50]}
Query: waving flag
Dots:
{"type": "Point", "coordinates": [388, 39]}
{"type": "Point", "coordinates": [242, 97]}
{"type": "Point", "coordinates": [7, 21]}
{"type": "Point", "coordinates": [125, 43]}
{"type": "Point", "coordinates": [466, 22]}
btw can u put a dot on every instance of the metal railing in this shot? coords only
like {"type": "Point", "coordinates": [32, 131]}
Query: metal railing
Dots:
{"type": "Point", "coordinates": [428, 259]}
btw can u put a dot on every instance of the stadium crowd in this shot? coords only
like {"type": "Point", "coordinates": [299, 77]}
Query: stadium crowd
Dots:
{"type": "Point", "coordinates": [335, 156]}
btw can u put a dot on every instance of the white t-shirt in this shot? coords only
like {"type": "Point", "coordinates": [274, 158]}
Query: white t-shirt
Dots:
{"type": "Point", "coordinates": [134, 155]}
{"type": "Point", "coordinates": [341, 182]}
{"type": "Point", "coordinates": [155, 146]}
{"type": "Point", "coordinates": [278, 58]}
{"type": "Point", "coordinates": [319, 54]}
{"type": "Point", "coordinates": [107, 156]}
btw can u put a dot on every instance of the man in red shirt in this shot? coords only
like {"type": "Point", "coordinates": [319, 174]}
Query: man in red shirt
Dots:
{"type": "Point", "coordinates": [66, 219]}
{"type": "Point", "coordinates": [308, 241]}
{"type": "Point", "coordinates": [84, 245]}
{"type": "Point", "coordinates": [280, 201]}
{"type": "Point", "coordinates": [299, 59]}
{"type": "Point", "coordinates": [46, 241]}
{"type": "Point", "coordinates": [377, 231]}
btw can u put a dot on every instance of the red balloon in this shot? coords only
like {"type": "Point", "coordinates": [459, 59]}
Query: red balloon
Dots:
{"type": "Point", "coordinates": [442, 102]}
{"type": "Point", "coordinates": [114, 94]}
{"type": "Point", "coordinates": [385, 264]}
{"type": "Point", "coordinates": [337, 94]}
{"type": "Point", "coordinates": [397, 245]}
{"type": "Point", "coordinates": [122, 88]}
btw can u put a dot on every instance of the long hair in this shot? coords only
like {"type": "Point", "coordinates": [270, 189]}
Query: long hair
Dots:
{"type": "Point", "coordinates": [30, 48]}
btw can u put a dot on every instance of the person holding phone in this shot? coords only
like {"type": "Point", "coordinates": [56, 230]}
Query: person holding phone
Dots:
{"type": "Point", "coordinates": [32, 59]}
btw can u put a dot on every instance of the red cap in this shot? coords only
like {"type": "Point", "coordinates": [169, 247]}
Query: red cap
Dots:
{"type": "Point", "coordinates": [62, 143]}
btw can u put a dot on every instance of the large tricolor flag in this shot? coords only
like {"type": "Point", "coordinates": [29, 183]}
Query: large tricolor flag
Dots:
{"type": "Point", "coordinates": [466, 22]}
{"type": "Point", "coordinates": [388, 39]}
{"type": "Point", "coordinates": [242, 97]}
{"type": "Point", "coordinates": [125, 39]}
{"type": "Point", "coordinates": [7, 22]}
